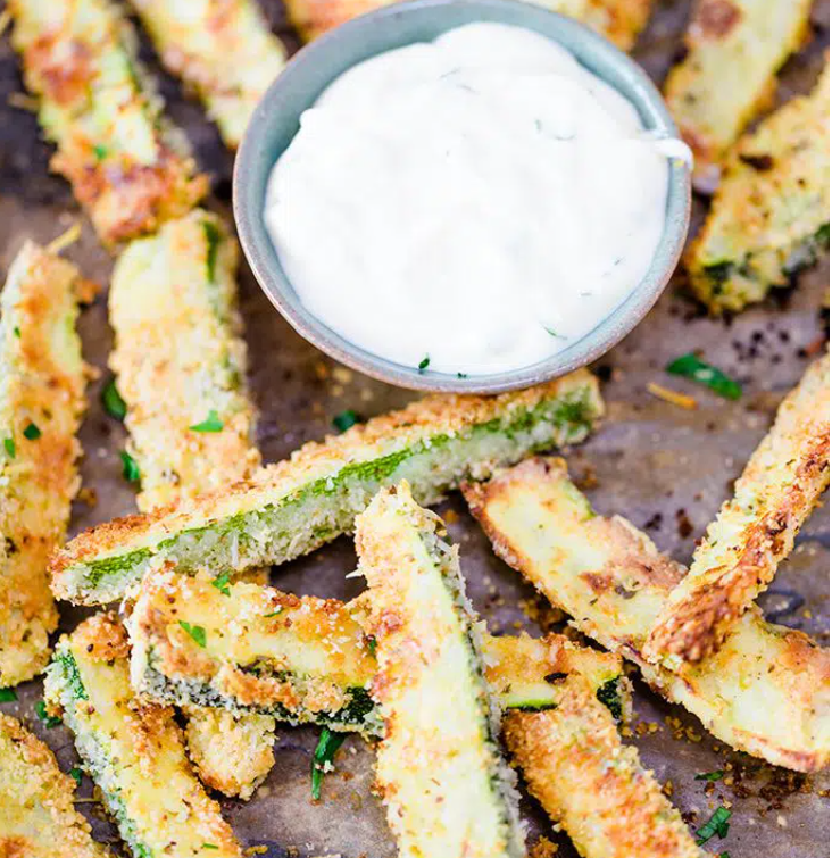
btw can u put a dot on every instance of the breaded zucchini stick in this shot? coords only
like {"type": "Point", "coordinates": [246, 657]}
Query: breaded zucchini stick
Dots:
{"type": "Point", "coordinates": [770, 215]}
{"type": "Point", "coordinates": [180, 360]}
{"type": "Point", "coordinates": [291, 508]}
{"type": "Point", "coordinates": [128, 168]}
{"type": "Point", "coordinates": [591, 784]}
{"type": "Point", "coordinates": [765, 692]}
{"type": "Point", "coordinates": [248, 648]}
{"type": "Point", "coordinates": [734, 49]}
{"type": "Point", "coordinates": [41, 401]}
{"type": "Point", "coordinates": [438, 767]}
{"type": "Point", "coordinates": [37, 815]}
{"type": "Point", "coordinates": [231, 753]}
{"type": "Point", "coordinates": [754, 530]}
{"type": "Point", "coordinates": [222, 49]}
{"type": "Point", "coordinates": [619, 20]}
{"type": "Point", "coordinates": [132, 750]}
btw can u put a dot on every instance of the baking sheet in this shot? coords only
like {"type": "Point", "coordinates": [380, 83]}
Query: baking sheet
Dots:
{"type": "Point", "coordinates": [664, 468]}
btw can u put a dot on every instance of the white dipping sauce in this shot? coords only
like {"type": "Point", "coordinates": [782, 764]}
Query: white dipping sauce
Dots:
{"type": "Point", "coordinates": [481, 201]}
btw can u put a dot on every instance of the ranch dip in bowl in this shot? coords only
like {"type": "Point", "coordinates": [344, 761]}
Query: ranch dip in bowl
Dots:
{"type": "Point", "coordinates": [467, 210]}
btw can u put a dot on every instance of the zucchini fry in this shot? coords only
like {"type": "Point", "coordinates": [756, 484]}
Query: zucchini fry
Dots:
{"type": "Point", "coordinates": [37, 814]}
{"type": "Point", "coordinates": [440, 721]}
{"type": "Point", "coordinates": [180, 360]}
{"type": "Point", "coordinates": [591, 784]}
{"type": "Point", "coordinates": [231, 753]}
{"type": "Point", "coordinates": [128, 168]}
{"type": "Point", "coordinates": [755, 529]}
{"type": "Point", "coordinates": [133, 751]}
{"type": "Point", "coordinates": [619, 20]}
{"type": "Point", "coordinates": [197, 39]}
{"type": "Point", "coordinates": [770, 216]}
{"type": "Point", "coordinates": [765, 692]}
{"type": "Point", "coordinates": [245, 648]}
{"type": "Point", "coordinates": [41, 402]}
{"type": "Point", "coordinates": [734, 49]}
{"type": "Point", "coordinates": [291, 508]}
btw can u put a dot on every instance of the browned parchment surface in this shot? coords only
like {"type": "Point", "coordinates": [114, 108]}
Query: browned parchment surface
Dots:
{"type": "Point", "coordinates": [665, 468]}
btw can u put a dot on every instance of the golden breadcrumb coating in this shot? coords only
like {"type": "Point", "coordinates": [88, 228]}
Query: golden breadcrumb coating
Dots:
{"type": "Point", "coordinates": [133, 750]}
{"type": "Point", "coordinates": [734, 49]}
{"type": "Point", "coordinates": [438, 767]}
{"type": "Point", "coordinates": [754, 530]}
{"type": "Point", "coordinates": [222, 49]}
{"type": "Point", "coordinates": [291, 508]}
{"type": "Point", "coordinates": [128, 168]}
{"type": "Point", "coordinates": [591, 784]}
{"type": "Point", "coordinates": [770, 215]}
{"type": "Point", "coordinates": [37, 812]}
{"type": "Point", "coordinates": [42, 380]}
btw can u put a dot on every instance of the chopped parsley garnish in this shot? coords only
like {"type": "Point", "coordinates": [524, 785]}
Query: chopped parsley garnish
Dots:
{"type": "Point", "coordinates": [273, 614]}
{"type": "Point", "coordinates": [462, 375]}
{"type": "Point", "coordinates": [221, 583]}
{"type": "Point", "coordinates": [99, 151]}
{"type": "Point", "coordinates": [424, 363]}
{"type": "Point", "coordinates": [553, 333]}
{"type": "Point", "coordinates": [210, 846]}
{"type": "Point", "coordinates": [345, 419]}
{"type": "Point", "coordinates": [212, 240]}
{"type": "Point", "coordinates": [111, 399]}
{"type": "Point", "coordinates": [31, 432]}
{"type": "Point", "coordinates": [130, 471]}
{"type": "Point", "coordinates": [11, 447]}
{"type": "Point", "coordinates": [17, 331]}
{"type": "Point", "coordinates": [196, 632]}
{"type": "Point", "coordinates": [75, 773]}
{"type": "Point", "coordinates": [723, 855]}
{"type": "Point", "coordinates": [7, 695]}
{"type": "Point", "coordinates": [328, 744]}
{"type": "Point", "coordinates": [49, 721]}
{"type": "Point", "coordinates": [693, 367]}
{"type": "Point", "coordinates": [717, 825]}
{"type": "Point", "coordinates": [371, 644]}
{"type": "Point", "coordinates": [710, 776]}
{"type": "Point", "coordinates": [211, 423]}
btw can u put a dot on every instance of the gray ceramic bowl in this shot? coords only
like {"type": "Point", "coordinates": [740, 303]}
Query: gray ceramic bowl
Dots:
{"type": "Point", "coordinates": [275, 122]}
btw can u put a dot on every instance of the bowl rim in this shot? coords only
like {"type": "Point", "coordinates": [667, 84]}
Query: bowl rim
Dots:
{"type": "Point", "coordinates": [257, 246]}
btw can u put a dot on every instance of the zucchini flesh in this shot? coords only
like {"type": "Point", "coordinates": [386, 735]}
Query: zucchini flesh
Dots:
{"type": "Point", "coordinates": [132, 750]}
{"type": "Point", "coordinates": [766, 691]}
{"type": "Point", "coordinates": [289, 509]}
{"type": "Point", "coordinates": [41, 403]}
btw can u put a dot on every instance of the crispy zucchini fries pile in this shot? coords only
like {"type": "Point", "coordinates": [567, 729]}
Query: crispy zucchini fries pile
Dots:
{"type": "Point", "coordinates": [407, 664]}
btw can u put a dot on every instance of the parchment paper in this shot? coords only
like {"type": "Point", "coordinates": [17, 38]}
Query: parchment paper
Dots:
{"type": "Point", "coordinates": [664, 468]}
